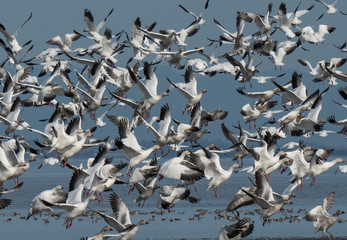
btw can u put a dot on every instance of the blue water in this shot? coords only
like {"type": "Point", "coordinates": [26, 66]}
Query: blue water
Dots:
{"type": "Point", "coordinates": [177, 224]}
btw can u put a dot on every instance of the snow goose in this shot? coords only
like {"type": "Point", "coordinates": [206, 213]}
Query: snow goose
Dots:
{"type": "Point", "coordinates": [299, 13]}
{"type": "Point", "coordinates": [320, 216]}
{"type": "Point", "coordinates": [331, 119]}
{"type": "Point", "coordinates": [337, 74]}
{"type": "Point", "coordinates": [264, 197]}
{"type": "Point", "coordinates": [128, 143]}
{"type": "Point", "coordinates": [327, 70]}
{"type": "Point", "coordinates": [264, 155]}
{"type": "Point", "coordinates": [300, 166]}
{"type": "Point", "coordinates": [11, 39]}
{"type": "Point", "coordinates": [101, 183]}
{"type": "Point", "coordinates": [239, 142]}
{"type": "Point", "coordinates": [170, 195]}
{"type": "Point", "coordinates": [11, 120]}
{"type": "Point", "coordinates": [263, 24]}
{"type": "Point", "coordinates": [311, 122]}
{"type": "Point", "coordinates": [16, 152]}
{"type": "Point", "coordinates": [235, 38]}
{"type": "Point", "coordinates": [101, 235]}
{"type": "Point", "coordinates": [330, 7]}
{"type": "Point", "coordinates": [238, 230]}
{"type": "Point", "coordinates": [250, 114]}
{"type": "Point", "coordinates": [164, 121]}
{"type": "Point", "coordinates": [145, 191]}
{"type": "Point", "coordinates": [307, 34]}
{"type": "Point", "coordinates": [66, 44]}
{"type": "Point", "coordinates": [7, 92]}
{"type": "Point", "coordinates": [138, 38]}
{"type": "Point", "coordinates": [66, 137]}
{"type": "Point", "coordinates": [195, 136]}
{"type": "Point", "coordinates": [93, 29]}
{"type": "Point", "coordinates": [181, 169]}
{"type": "Point", "coordinates": [77, 145]}
{"type": "Point", "coordinates": [5, 202]}
{"type": "Point", "coordinates": [291, 116]}
{"type": "Point", "coordinates": [74, 206]}
{"type": "Point", "coordinates": [261, 96]}
{"type": "Point", "coordinates": [121, 222]}
{"type": "Point", "coordinates": [54, 195]}
{"type": "Point", "coordinates": [241, 199]}
{"type": "Point", "coordinates": [145, 173]}
{"type": "Point", "coordinates": [121, 79]}
{"type": "Point", "coordinates": [263, 79]}
{"type": "Point", "coordinates": [188, 89]}
{"type": "Point", "coordinates": [206, 117]}
{"type": "Point", "coordinates": [12, 162]}
{"type": "Point", "coordinates": [198, 20]}
{"type": "Point", "coordinates": [215, 171]}
{"type": "Point", "coordinates": [317, 168]}
{"type": "Point", "coordinates": [93, 103]}
{"type": "Point", "coordinates": [313, 70]}
{"type": "Point", "coordinates": [166, 39]}
{"type": "Point", "coordinates": [286, 21]}
{"type": "Point", "coordinates": [148, 89]}
{"type": "Point", "coordinates": [247, 70]}
{"type": "Point", "coordinates": [176, 57]}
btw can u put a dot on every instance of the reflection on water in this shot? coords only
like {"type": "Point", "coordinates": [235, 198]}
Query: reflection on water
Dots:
{"type": "Point", "coordinates": [185, 221]}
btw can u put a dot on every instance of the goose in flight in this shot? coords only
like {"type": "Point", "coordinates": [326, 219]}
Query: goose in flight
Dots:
{"type": "Point", "coordinates": [74, 206]}
{"type": "Point", "coordinates": [330, 7]}
{"type": "Point", "coordinates": [188, 89]}
{"type": "Point", "coordinates": [54, 195]}
{"type": "Point", "coordinates": [321, 218]}
{"type": "Point", "coordinates": [242, 228]}
{"type": "Point", "coordinates": [11, 39]}
{"type": "Point", "coordinates": [250, 114]}
{"type": "Point", "coordinates": [215, 172]}
{"type": "Point", "coordinates": [121, 222]}
{"type": "Point", "coordinates": [263, 24]}
{"type": "Point", "coordinates": [93, 29]}
{"type": "Point", "coordinates": [66, 44]}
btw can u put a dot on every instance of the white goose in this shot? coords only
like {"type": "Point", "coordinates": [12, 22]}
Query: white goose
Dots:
{"type": "Point", "coordinates": [164, 121]}
{"type": "Point", "coordinates": [286, 21]}
{"type": "Point", "coordinates": [263, 24]}
{"type": "Point", "coordinates": [188, 89]}
{"type": "Point", "coordinates": [74, 205]}
{"type": "Point", "coordinates": [9, 164]}
{"type": "Point", "coordinates": [66, 44]}
{"type": "Point", "coordinates": [121, 222]}
{"type": "Point", "coordinates": [265, 197]}
{"type": "Point", "coordinates": [53, 195]}
{"type": "Point", "coordinates": [93, 29]}
{"type": "Point", "coordinates": [215, 171]}
{"type": "Point", "coordinates": [321, 218]}
{"type": "Point", "coordinates": [148, 89]}
{"type": "Point", "coordinates": [11, 39]}
{"type": "Point", "coordinates": [330, 7]}
{"type": "Point", "coordinates": [250, 114]}
{"type": "Point", "coordinates": [181, 169]}
{"type": "Point", "coordinates": [319, 168]}
{"type": "Point", "coordinates": [128, 143]}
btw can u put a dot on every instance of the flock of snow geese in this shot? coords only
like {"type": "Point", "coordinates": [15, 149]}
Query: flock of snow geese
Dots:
{"type": "Point", "coordinates": [79, 83]}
